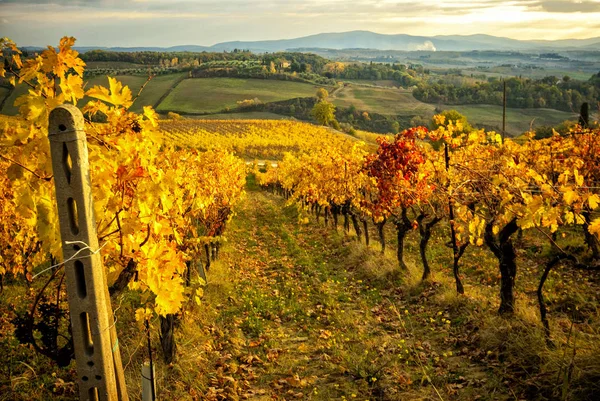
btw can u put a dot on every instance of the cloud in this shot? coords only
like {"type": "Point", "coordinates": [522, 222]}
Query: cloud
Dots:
{"type": "Point", "coordinates": [205, 22]}
{"type": "Point", "coordinates": [91, 3]}
{"type": "Point", "coordinates": [570, 6]}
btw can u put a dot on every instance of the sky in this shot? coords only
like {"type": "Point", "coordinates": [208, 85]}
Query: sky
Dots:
{"type": "Point", "coordinates": [205, 22]}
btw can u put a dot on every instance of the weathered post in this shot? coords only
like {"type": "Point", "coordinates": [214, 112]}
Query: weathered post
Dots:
{"type": "Point", "coordinates": [97, 354]}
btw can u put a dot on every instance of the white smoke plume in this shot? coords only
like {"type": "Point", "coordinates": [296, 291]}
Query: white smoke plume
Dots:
{"type": "Point", "coordinates": [427, 46]}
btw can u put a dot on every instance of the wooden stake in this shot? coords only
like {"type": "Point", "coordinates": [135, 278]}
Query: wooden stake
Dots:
{"type": "Point", "coordinates": [97, 354]}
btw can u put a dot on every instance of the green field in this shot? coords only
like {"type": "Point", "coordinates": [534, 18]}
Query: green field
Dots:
{"type": "Point", "coordinates": [382, 101]}
{"type": "Point", "coordinates": [401, 102]}
{"type": "Point", "coordinates": [386, 83]}
{"type": "Point", "coordinates": [517, 120]}
{"type": "Point", "coordinates": [536, 73]}
{"type": "Point", "coordinates": [207, 95]}
{"type": "Point", "coordinates": [210, 95]}
{"type": "Point", "coordinates": [116, 65]}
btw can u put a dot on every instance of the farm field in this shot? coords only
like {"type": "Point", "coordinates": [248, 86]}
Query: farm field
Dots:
{"type": "Point", "coordinates": [386, 83]}
{"type": "Point", "coordinates": [118, 65]}
{"type": "Point", "coordinates": [210, 95]}
{"type": "Point", "coordinates": [382, 100]}
{"type": "Point", "coordinates": [206, 95]}
{"type": "Point", "coordinates": [517, 120]}
{"type": "Point", "coordinates": [536, 73]}
{"type": "Point", "coordinates": [402, 102]}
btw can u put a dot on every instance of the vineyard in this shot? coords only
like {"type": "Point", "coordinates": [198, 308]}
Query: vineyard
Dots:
{"type": "Point", "coordinates": [437, 264]}
{"type": "Point", "coordinates": [263, 139]}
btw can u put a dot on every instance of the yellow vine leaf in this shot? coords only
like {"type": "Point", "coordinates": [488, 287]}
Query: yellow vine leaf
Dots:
{"type": "Point", "coordinates": [117, 95]}
{"type": "Point", "coordinates": [578, 178]}
{"type": "Point", "coordinates": [151, 115]}
{"type": "Point", "coordinates": [72, 88]}
{"type": "Point", "coordinates": [594, 227]}
{"type": "Point", "coordinates": [570, 196]}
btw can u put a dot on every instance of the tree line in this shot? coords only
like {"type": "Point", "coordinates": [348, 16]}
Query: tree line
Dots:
{"type": "Point", "coordinates": [524, 93]}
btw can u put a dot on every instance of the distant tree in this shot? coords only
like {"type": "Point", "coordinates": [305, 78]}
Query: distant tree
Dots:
{"type": "Point", "coordinates": [295, 67]}
{"type": "Point", "coordinates": [543, 131]}
{"type": "Point", "coordinates": [249, 103]}
{"type": "Point", "coordinates": [455, 117]}
{"type": "Point", "coordinates": [395, 127]}
{"type": "Point", "coordinates": [546, 131]}
{"type": "Point", "coordinates": [324, 113]}
{"type": "Point", "coordinates": [419, 121]}
{"type": "Point", "coordinates": [541, 102]}
{"type": "Point", "coordinates": [322, 94]}
{"type": "Point", "coordinates": [566, 126]}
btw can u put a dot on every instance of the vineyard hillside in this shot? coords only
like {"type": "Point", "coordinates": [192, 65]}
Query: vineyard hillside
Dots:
{"type": "Point", "coordinates": [263, 259]}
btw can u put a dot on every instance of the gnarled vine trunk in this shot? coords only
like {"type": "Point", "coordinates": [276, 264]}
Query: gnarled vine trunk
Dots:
{"type": "Point", "coordinates": [381, 233]}
{"type": "Point", "coordinates": [403, 225]}
{"type": "Point", "coordinates": [366, 230]}
{"type": "Point", "coordinates": [590, 239]}
{"type": "Point", "coordinates": [167, 338]}
{"type": "Point", "coordinates": [425, 229]}
{"type": "Point", "coordinates": [125, 277]}
{"type": "Point", "coordinates": [336, 213]}
{"type": "Point", "coordinates": [356, 226]}
{"type": "Point", "coordinates": [207, 251]}
{"type": "Point", "coordinates": [502, 247]}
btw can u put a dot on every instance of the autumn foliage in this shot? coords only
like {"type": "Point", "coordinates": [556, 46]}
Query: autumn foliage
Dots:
{"type": "Point", "coordinates": [156, 205]}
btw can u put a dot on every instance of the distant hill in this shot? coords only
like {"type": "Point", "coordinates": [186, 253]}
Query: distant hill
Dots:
{"type": "Point", "coordinates": [371, 40]}
{"type": "Point", "coordinates": [377, 41]}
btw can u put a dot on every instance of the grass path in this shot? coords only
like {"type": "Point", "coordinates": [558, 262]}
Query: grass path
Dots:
{"type": "Point", "coordinates": [305, 318]}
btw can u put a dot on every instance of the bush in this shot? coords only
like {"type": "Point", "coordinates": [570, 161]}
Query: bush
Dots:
{"type": "Point", "coordinates": [249, 103]}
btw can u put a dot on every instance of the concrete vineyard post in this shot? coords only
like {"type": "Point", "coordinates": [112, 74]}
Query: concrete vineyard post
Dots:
{"type": "Point", "coordinates": [99, 368]}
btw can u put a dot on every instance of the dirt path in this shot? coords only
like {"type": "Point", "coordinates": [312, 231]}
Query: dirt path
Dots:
{"type": "Point", "coordinates": [307, 320]}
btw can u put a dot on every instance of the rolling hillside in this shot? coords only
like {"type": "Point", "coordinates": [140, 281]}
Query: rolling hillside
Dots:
{"type": "Point", "coordinates": [372, 40]}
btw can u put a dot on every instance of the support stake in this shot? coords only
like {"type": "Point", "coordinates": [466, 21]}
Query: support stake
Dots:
{"type": "Point", "coordinates": [99, 368]}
